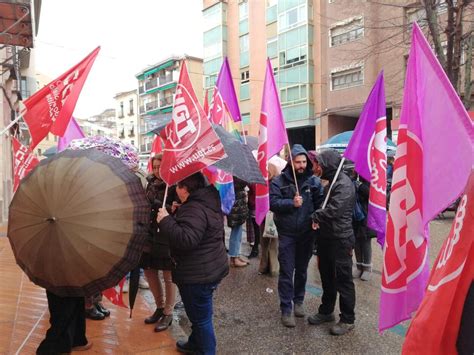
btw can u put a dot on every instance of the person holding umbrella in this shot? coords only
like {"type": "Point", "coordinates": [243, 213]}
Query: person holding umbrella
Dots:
{"type": "Point", "coordinates": [159, 256]}
{"type": "Point", "coordinates": [195, 235]}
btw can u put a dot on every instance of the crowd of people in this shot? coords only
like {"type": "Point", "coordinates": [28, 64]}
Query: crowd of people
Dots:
{"type": "Point", "coordinates": [311, 212]}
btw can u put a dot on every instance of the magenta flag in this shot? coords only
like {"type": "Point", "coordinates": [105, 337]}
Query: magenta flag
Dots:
{"type": "Point", "coordinates": [368, 150]}
{"type": "Point", "coordinates": [271, 139]}
{"type": "Point", "coordinates": [224, 93]}
{"type": "Point", "coordinates": [73, 131]}
{"type": "Point", "coordinates": [432, 166]}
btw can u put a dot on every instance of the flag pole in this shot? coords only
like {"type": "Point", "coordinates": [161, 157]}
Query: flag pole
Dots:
{"type": "Point", "coordinates": [293, 168]}
{"type": "Point", "coordinates": [165, 197]}
{"type": "Point", "coordinates": [243, 131]}
{"type": "Point", "coordinates": [11, 124]}
{"type": "Point", "coordinates": [332, 183]}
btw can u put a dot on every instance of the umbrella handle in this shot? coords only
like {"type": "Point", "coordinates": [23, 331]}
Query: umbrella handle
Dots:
{"type": "Point", "coordinates": [50, 219]}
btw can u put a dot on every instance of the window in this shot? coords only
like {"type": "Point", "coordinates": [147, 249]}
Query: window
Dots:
{"type": "Point", "coordinates": [350, 31]}
{"type": "Point", "coordinates": [130, 110]}
{"type": "Point", "coordinates": [244, 91]}
{"type": "Point", "coordinates": [293, 94]}
{"type": "Point", "coordinates": [271, 3]}
{"type": "Point", "coordinates": [244, 43]}
{"type": "Point", "coordinates": [272, 47]}
{"type": "Point", "coordinates": [121, 109]}
{"type": "Point", "coordinates": [213, 50]}
{"type": "Point", "coordinates": [347, 78]}
{"type": "Point", "coordinates": [25, 93]}
{"type": "Point", "coordinates": [246, 119]}
{"type": "Point", "coordinates": [293, 17]}
{"type": "Point", "coordinates": [293, 56]}
{"type": "Point", "coordinates": [214, 16]}
{"type": "Point", "coordinates": [245, 77]}
{"type": "Point", "coordinates": [210, 80]}
{"type": "Point", "coordinates": [132, 142]}
{"type": "Point", "coordinates": [243, 10]}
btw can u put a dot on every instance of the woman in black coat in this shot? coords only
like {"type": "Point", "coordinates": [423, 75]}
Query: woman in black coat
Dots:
{"type": "Point", "coordinates": [195, 235]}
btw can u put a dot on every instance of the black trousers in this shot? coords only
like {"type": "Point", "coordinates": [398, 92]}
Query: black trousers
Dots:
{"type": "Point", "coordinates": [68, 325]}
{"type": "Point", "coordinates": [335, 267]}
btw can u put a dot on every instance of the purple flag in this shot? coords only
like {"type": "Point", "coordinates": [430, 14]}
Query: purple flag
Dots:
{"type": "Point", "coordinates": [368, 150]}
{"type": "Point", "coordinates": [226, 91]}
{"type": "Point", "coordinates": [73, 131]}
{"type": "Point", "coordinates": [432, 166]}
{"type": "Point", "coordinates": [271, 139]}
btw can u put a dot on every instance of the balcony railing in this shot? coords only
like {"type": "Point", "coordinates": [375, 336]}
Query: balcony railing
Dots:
{"type": "Point", "coordinates": [152, 105]}
{"type": "Point", "coordinates": [151, 84]}
{"type": "Point", "coordinates": [166, 101]}
{"type": "Point", "coordinates": [165, 79]}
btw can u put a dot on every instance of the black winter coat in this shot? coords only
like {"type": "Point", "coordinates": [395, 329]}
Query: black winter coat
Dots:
{"type": "Point", "coordinates": [289, 220]}
{"type": "Point", "coordinates": [335, 221]}
{"type": "Point", "coordinates": [240, 210]}
{"type": "Point", "coordinates": [196, 235]}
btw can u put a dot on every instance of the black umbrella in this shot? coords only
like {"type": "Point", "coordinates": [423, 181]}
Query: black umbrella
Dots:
{"type": "Point", "coordinates": [133, 287]}
{"type": "Point", "coordinates": [252, 142]}
{"type": "Point", "coordinates": [240, 161]}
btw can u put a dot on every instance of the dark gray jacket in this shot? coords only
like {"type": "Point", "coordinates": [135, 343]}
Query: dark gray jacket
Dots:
{"type": "Point", "coordinates": [335, 221]}
{"type": "Point", "coordinates": [196, 235]}
{"type": "Point", "coordinates": [289, 220]}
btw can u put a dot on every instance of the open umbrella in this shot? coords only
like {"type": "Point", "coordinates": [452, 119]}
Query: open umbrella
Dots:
{"type": "Point", "coordinates": [78, 222]}
{"type": "Point", "coordinates": [340, 141]}
{"type": "Point", "coordinates": [239, 161]}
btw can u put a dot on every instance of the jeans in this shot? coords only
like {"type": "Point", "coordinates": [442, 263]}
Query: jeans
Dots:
{"type": "Point", "coordinates": [293, 254]}
{"type": "Point", "coordinates": [197, 300]}
{"type": "Point", "coordinates": [235, 240]}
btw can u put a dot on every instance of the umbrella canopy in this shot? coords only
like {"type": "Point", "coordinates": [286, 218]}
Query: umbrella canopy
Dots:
{"type": "Point", "coordinates": [239, 161]}
{"type": "Point", "coordinates": [340, 141]}
{"type": "Point", "coordinates": [78, 222]}
{"type": "Point", "coordinates": [50, 151]}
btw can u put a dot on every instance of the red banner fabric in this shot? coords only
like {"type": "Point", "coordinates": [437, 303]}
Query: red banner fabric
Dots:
{"type": "Point", "coordinates": [50, 109]}
{"type": "Point", "coordinates": [115, 294]}
{"type": "Point", "coordinates": [191, 143]}
{"type": "Point", "coordinates": [435, 328]}
{"type": "Point", "coordinates": [23, 162]}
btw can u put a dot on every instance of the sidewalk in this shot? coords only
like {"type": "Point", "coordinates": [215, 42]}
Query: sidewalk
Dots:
{"type": "Point", "coordinates": [24, 318]}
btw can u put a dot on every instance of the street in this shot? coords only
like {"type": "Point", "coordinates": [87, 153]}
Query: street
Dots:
{"type": "Point", "coordinates": [247, 316]}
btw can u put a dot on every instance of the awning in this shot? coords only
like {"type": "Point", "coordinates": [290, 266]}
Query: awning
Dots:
{"type": "Point", "coordinates": [168, 86]}
{"type": "Point", "coordinates": [161, 67]}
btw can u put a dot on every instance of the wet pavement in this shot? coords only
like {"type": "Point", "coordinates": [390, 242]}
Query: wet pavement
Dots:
{"type": "Point", "coordinates": [246, 315]}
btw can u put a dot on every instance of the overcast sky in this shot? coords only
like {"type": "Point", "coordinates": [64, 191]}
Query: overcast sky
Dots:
{"type": "Point", "coordinates": [132, 34]}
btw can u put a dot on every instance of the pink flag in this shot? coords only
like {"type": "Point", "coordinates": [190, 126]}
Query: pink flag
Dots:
{"type": "Point", "coordinates": [368, 150]}
{"type": "Point", "coordinates": [73, 131]}
{"type": "Point", "coordinates": [272, 125]}
{"type": "Point", "coordinates": [432, 165]}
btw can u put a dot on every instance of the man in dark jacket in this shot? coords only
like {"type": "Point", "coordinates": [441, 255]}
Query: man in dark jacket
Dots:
{"type": "Point", "coordinates": [292, 216]}
{"type": "Point", "coordinates": [196, 241]}
{"type": "Point", "coordinates": [335, 245]}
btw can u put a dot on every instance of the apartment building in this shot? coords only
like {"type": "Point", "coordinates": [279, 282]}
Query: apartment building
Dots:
{"type": "Point", "coordinates": [156, 87]}
{"type": "Point", "coordinates": [18, 28]}
{"type": "Point", "coordinates": [126, 117]}
{"type": "Point", "coordinates": [326, 56]}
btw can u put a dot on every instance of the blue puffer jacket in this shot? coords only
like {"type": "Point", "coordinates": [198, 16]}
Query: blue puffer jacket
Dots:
{"type": "Point", "coordinates": [289, 220]}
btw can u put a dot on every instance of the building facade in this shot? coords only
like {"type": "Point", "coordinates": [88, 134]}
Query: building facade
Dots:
{"type": "Point", "coordinates": [103, 124]}
{"type": "Point", "coordinates": [18, 28]}
{"type": "Point", "coordinates": [326, 56]}
{"type": "Point", "coordinates": [156, 87]}
{"type": "Point", "coordinates": [126, 117]}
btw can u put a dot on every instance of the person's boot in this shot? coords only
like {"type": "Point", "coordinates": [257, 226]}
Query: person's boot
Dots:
{"type": "Point", "coordinates": [253, 252]}
{"type": "Point", "coordinates": [341, 328]}
{"type": "Point", "coordinates": [299, 310]}
{"type": "Point", "coordinates": [100, 307]}
{"type": "Point", "coordinates": [82, 347]}
{"type": "Point", "coordinates": [319, 318]}
{"type": "Point", "coordinates": [94, 314]}
{"type": "Point", "coordinates": [184, 347]}
{"type": "Point", "coordinates": [164, 323]}
{"type": "Point", "coordinates": [356, 273]}
{"type": "Point", "coordinates": [155, 317]}
{"type": "Point", "coordinates": [366, 272]}
{"type": "Point", "coordinates": [288, 320]}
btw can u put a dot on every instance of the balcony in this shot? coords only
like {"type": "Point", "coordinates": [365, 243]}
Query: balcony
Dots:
{"type": "Point", "coordinates": [165, 79]}
{"type": "Point", "coordinates": [151, 84]}
{"type": "Point", "coordinates": [16, 27]}
{"type": "Point", "coordinates": [145, 147]}
{"type": "Point", "coordinates": [152, 105]}
{"type": "Point", "coordinates": [166, 101]}
{"type": "Point", "coordinates": [141, 89]}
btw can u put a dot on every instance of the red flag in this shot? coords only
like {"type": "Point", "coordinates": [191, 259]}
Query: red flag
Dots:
{"type": "Point", "coordinates": [435, 328]}
{"type": "Point", "coordinates": [156, 148]}
{"type": "Point", "coordinates": [206, 104]}
{"type": "Point", "coordinates": [24, 162]}
{"type": "Point", "coordinates": [50, 109]}
{"type": "Point", "coordinates": [191, 143]}
{"type": "Point", "coordinates": [115, 294]}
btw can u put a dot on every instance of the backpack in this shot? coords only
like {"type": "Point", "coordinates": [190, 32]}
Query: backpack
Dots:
{"type": "Point", "coordinates": [358, 213]}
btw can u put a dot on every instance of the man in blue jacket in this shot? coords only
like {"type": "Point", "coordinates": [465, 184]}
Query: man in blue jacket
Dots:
{"type": "Point", "coordinates": [292, 208]}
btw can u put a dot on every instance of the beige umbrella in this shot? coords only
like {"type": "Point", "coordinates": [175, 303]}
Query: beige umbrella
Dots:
{"type": "Point", "coordinates": [78, 222]}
